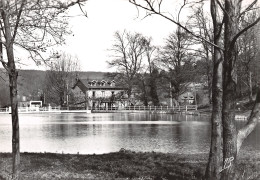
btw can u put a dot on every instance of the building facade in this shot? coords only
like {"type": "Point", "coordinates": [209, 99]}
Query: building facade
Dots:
{"type": "Point", "coordinates": [102, 94]}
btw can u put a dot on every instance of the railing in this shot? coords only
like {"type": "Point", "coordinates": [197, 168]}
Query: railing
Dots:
{"type": "Point", "coordinates": [147, 108]}
{"type": "Point", "coordinates": [102, 109]}
{"type": "Point", "coordinates": [4, 110]}
{"type": "Point", "coordinates": [41, 109]}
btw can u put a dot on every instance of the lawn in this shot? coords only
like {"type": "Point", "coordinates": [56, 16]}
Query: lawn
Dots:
{"type": "Point", "coordinates": [120, 165]}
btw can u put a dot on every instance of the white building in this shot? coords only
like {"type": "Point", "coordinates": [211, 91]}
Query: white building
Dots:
{"type": "Point", "coordinates": [99, 94]}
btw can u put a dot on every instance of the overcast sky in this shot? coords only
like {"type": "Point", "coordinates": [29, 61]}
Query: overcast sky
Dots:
{"type": "Point", "coordinates": [93, 36]}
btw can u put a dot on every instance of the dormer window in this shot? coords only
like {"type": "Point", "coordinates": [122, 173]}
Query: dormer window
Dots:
{"type": "Point", "coordinates": [94, 83]}
{"type": "Point", "coordinates": [103, 83]}
{"type": "Point", "coordinates": [113, 83]}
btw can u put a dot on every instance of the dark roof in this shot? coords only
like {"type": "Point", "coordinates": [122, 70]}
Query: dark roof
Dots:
{"type": "Point", "coordinates": [89, 84]}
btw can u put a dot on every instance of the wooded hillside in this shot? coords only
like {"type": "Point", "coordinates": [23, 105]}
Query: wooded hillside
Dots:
{"type": "Point", "coordinates": [31, 82]}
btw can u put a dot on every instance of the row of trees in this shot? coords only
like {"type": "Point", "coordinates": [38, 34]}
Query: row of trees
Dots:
{"type": "Point", "coordinates": [183, 59]}
{"type": "Point", "coordinates": [151, 69]}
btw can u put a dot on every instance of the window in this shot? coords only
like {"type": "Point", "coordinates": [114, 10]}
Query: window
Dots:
{"type": "Point", "coordinates": [103, 93]}
{"type": "Point", "coordinates": [112, 83]}
{"type": "Point", "coordinates": [94, 83]}
{"type": "Point", "coordinates": [93, 94]}
{"type": "Point", "coordinates": [103, 83]}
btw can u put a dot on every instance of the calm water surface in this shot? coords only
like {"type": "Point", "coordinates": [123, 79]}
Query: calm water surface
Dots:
{"type": "Point", "coordinates": [104, 133]}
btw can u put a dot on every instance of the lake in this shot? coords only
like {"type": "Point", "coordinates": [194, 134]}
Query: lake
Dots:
{"type": "Point", "coordinates": [109, 132]}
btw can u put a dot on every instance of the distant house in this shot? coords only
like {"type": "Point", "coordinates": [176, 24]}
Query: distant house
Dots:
{"type": "Point", "coordinates": [186, 98]}
{"type": "Point", "coordinates": [195, 94]}
{"type": "Point", "coordinates": [99, 94]}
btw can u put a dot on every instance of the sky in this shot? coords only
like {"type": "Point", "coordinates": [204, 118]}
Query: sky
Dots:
{"type": "Point", "coordinates": [93, 36]}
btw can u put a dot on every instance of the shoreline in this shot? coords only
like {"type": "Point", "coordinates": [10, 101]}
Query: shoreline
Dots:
{"type": "Point", "coordinates": [124, 164]}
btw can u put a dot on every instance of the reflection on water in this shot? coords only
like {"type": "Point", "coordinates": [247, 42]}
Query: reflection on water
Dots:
{"type": "Point", "coordinates": [103, 133]}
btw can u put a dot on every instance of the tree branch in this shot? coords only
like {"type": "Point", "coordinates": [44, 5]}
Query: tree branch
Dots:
{"type": "Point", "coordinates": [252, 122]}
{"type": "Point", "coordinates": [177, 23]}
{"type": "Point", "coordinates": [242, 31]}
{"type": "Point", "coordinates": [18, 20]}
{"type": "Point", "coordinates": [248, 8]}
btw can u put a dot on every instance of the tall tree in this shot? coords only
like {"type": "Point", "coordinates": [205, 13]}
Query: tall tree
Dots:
{"type": "Point", "coordinates": [33, 26]}
{"type": "Point", "coordinates": [153, 72]}
{"type": "Point", "coordinates": [174, 58]}
{"type": "Point", "coordinates": [129, 50]}
{"type": "Point", "coordinates": [226, 14]}
{"type": "Point", "coordinates": [60, 78]}
{"type": "Point", "coordinates": [247, 58]}
{"type": "Point", "coordinates": [202, 24]}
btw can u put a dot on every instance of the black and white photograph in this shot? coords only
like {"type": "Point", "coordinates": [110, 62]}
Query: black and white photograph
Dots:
{"type": "Point", "coordinates": [129, 89]}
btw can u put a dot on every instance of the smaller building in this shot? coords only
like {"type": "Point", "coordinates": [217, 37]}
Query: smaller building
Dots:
{"type": "Point", "coordinates": [103, 94]}
{"type": "Point", "coordinates": [186, 98]}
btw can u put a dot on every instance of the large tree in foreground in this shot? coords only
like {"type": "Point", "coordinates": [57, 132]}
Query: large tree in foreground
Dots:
{"type": "Point", "coordinates": [32, 25]}
{"type": "Point", "coordinates": [226, 16]}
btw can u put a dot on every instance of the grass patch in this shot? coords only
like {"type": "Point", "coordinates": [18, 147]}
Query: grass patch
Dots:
{"type": "Point", "coordinates": [120, 165]}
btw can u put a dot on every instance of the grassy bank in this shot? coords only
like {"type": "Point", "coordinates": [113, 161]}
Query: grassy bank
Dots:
{"type": "Point", "coordinates": [119, 165]}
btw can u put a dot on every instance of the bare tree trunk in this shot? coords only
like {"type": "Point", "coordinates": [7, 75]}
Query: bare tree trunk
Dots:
{"type": "Point", "coordinates": [13, 75]}
{"type": "Point", "coordinates": [215, 156]}
{"type": "Point", "coordinates": [15, 123]}
{"type": "Point", "coordinates": [232, 7]}
{"type": "Point", "coordinates": [250, 87]}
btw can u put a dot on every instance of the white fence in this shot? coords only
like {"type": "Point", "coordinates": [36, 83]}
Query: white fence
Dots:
{"type": "Point", "coordinates": [147, 108]}
{"type": "Point", "coordinates": [101, 109]}
{"type": "Point", "coordinates": [34, 109]}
